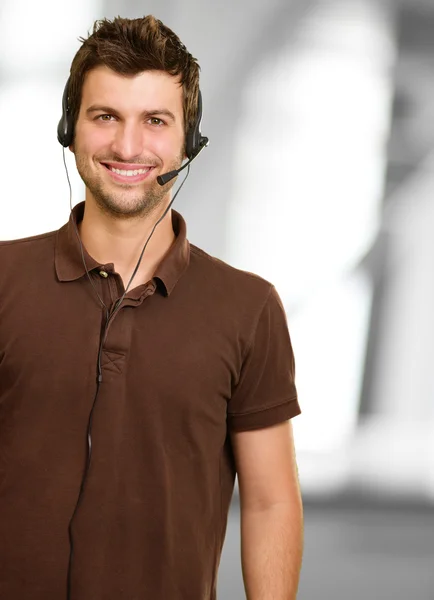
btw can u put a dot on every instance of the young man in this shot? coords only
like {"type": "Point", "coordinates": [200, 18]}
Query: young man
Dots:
{"type": "Point", "coordinates": [126, 411]}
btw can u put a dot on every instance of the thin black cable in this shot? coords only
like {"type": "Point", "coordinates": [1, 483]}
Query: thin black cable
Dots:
{"type": "Point", "coordinates": [119, 302]}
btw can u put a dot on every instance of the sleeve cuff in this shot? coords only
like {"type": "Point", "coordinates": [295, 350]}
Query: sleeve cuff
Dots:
{"type": "Point", "coordinates": [265, 417]}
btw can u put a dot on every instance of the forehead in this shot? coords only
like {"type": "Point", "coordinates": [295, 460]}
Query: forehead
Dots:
{"type": "Point", "coordinates": [148, 90]}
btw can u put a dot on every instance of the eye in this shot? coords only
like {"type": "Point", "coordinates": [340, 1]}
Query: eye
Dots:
{"type": "Point", "coordinates": [102, 117]}
{"type": "Point", "coordinates": [156, 121]}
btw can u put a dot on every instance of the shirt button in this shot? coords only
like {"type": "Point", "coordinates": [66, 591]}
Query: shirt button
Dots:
{"type": "Point", "coordinates": [103, 274]}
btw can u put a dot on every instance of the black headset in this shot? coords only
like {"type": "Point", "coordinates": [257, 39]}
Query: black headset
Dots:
{"type": "Point", "coordinates": [194, 140]}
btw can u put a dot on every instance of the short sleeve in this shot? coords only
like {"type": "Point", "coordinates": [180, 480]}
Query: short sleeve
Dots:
{"type": "Point", "coordinates": [266, 393]}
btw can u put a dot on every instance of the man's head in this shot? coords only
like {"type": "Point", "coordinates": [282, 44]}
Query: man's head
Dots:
{"type": "Point", "coordinates": [133, 94]}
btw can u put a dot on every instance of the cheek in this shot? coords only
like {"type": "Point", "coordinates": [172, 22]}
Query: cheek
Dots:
{"type": "Point", "coordinates": [167, 149]}
{"type": "Point", "coordinates": [98, 143]}
{"type": "Point", "coordinates": [90, 143]}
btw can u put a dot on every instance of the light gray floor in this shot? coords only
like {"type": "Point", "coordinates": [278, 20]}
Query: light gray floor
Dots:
{"type": "Point", "coordinates": [352, 552]}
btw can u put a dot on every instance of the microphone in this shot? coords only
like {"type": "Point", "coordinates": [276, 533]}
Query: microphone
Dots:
{"type": "Point", "coordinates": [163, 179]}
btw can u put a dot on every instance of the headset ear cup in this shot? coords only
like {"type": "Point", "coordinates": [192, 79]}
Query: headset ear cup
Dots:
{"type": "Point", "coordinates": [188, 144]}
{"type": "Point", "coordinates": [65, 133]}
{"type": "Point", "coordinates": [193, 137]}
{"type": "Point", "coordinates": [62, 133]}
{"type": "Point", "coordinates": [191, 143]}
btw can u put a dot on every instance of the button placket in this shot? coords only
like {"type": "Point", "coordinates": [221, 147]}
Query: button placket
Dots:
{"type": "Point", "coordinates": [112, 284]}
{"type": "Point", "coordinates": [106, 289]}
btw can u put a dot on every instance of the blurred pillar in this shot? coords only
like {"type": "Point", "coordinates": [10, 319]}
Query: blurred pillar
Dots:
{"type": "Point", "coordinates": [393, 454]}
{"type": "Point", "coordinates": [401, 376]}
{"type": "Point", "coordinates": [394, 446]}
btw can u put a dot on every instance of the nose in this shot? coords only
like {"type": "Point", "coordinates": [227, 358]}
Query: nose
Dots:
{"type": "Point", "coordinates": [128, 141]}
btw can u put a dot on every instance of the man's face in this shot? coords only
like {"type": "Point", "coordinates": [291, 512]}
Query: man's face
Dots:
{"type": "Point", "coordinates": [135, 126]}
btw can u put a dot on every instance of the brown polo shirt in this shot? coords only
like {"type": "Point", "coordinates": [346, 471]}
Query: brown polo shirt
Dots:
{"type": "Point", "coordinates": [201, 350]}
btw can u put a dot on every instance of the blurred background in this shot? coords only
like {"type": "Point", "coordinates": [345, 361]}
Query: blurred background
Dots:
{"type": "Point", "coordinates": [319, 177]}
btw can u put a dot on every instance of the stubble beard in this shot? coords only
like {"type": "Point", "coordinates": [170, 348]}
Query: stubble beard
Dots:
{"type": "Point", "coordinates": [125, 204]}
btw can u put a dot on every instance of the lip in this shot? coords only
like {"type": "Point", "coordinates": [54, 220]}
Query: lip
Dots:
{"type": "Point", "coordinates": [127, 178]}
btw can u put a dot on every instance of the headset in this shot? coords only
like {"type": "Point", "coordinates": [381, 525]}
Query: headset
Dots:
{"type": "Point", "coordinates": [194, 140]}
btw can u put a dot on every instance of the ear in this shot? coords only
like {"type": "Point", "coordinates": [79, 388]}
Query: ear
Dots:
{"type": "Point", "coordinates": [71, 148]}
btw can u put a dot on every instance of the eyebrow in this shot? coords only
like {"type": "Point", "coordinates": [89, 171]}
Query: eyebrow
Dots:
{"type": "Point", "coordinates": [145, 113]}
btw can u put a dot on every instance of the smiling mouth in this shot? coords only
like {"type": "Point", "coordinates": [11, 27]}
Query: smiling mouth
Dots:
{"type": "Point", "coordinates": [128, 172]}
{"type": "Point", "coordinates": [128, 175]}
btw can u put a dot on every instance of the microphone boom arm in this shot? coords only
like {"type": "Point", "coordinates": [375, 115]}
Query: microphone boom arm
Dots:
{"type": "Point", "coordinates": [166, 177]}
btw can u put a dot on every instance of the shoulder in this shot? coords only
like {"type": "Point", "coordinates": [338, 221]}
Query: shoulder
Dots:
{"type": "Point", "coordinates": [23, 244]}
{"type": "Point", "coordinates": [237, 293]}
{"type": "Point", "coordinates": [218, 271]}
{"type": "Point", "coordinates": [25, 253]}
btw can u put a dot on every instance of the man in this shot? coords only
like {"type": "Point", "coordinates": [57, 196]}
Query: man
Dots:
{"type": "Point", "coordinates": [126, 412]}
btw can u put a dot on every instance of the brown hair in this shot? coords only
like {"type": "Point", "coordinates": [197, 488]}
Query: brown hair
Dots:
{"type": "Point", "coordinates": [130, 46]}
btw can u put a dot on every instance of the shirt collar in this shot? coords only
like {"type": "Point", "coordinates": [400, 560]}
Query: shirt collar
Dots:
{"type": "Point", "coordinates": [69, 262]}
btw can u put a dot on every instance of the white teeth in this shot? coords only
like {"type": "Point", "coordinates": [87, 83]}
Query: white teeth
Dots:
{"type": "Point", "coordinates": [129, 173]}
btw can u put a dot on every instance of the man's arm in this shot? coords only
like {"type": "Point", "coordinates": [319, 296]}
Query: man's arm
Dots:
{"type": "Point", "coordinates": [271, 512]}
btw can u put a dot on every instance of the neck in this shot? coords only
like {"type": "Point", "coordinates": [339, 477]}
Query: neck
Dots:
{"type": "Point", "coordinates": [111, 240]}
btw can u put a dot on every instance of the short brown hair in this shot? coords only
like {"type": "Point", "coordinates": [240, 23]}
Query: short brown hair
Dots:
{"type": "Point", "coordinates": [130, 46]}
